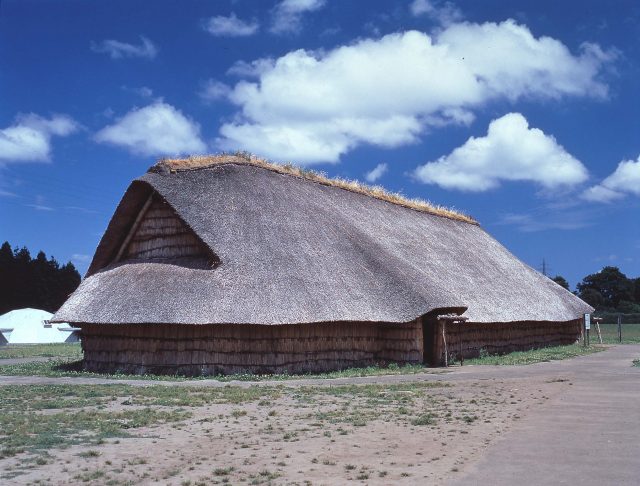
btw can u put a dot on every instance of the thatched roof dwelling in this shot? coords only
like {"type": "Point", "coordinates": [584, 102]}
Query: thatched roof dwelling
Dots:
{"type": "Point", "coordinates": [230, 244]}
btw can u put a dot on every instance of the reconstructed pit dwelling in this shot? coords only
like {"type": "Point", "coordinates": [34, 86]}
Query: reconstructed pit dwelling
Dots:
{"type": "Point", "coordinates": [229, 264]}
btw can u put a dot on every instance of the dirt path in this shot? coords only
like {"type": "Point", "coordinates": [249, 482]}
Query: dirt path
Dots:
{"type": "Point", "coordinates": [589, 435]}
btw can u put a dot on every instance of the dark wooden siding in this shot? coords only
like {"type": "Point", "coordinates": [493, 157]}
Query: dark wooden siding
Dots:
{"type": "Point", "coordinates": [161, 235]}
{"type": "Point", "coordinates": [213, 349]}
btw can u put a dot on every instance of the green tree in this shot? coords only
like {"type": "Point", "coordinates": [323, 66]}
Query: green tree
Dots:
{"type": "Point", "coordinates": [636, 290]}
{"type": "Point", "coordinates": [561, 281]}
{"type": "Point", "coordinates": [40, 283]}
{"type": "Point", "coordinates": [610, 283]}
{"type": "Point", "coordinates": [592, 297]}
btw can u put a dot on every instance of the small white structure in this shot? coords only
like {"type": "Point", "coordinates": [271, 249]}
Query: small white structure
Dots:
{"type": "Point", "coordinates": [27, 326]}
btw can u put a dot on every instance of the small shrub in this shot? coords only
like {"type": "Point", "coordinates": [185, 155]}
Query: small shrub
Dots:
{"type": "Point", "coordinates": [424, 419]}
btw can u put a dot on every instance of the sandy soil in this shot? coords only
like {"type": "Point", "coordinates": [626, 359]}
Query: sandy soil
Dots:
{"type": "Point", "coordinates": [308, 436]}
{"type": "Point", "coordinates": [471, 426]}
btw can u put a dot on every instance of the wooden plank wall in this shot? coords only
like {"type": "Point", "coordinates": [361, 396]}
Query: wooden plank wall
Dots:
{"type": "Point", "coordinates": [503, 337]}
{"type": "Point", "coordinates": [215, 349]}
{"type": "Point", "coordinates": [162, 235]}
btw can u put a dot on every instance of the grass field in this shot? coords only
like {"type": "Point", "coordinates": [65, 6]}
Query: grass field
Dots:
{"type": "Point", "coordinates": [630, 333]}
{"type": "Point", "coordinates": [61, 350]}
{"type": "Point", "coordinates": [536, 355]}
{"type": "Point", "coordinates": [66, 364]}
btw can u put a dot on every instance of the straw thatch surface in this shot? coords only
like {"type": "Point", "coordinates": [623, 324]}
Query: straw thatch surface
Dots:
{"type": "Point", "coordinates": [379, 192]}
{"type": "Point", "coordinates": [293, 251]}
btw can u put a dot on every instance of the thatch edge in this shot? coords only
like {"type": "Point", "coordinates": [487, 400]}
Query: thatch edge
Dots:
{"type": "Point", "coordinates": [200, 162]}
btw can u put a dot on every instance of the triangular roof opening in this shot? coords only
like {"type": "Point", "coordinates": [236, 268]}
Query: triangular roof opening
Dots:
{"type": "Point", "coordinates": [159, 235]}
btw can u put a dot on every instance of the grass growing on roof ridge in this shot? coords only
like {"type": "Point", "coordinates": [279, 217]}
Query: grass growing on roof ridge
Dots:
{"type": "Point", "coordinates": [203, 161]}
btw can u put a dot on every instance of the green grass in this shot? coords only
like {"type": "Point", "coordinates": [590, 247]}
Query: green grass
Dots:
{"type": "Point", "coordinates": [80, 414]}
{"type": "Point", "coordinates": [536, 355]}
{"type": "Point", "coordinates": [55, 350]}
{"type": "Point", "coordinates": [88, 414]}
{"type": "Point", "coordinates": [64, 367]}
{"type": "Point", "coordinates": [630, 333]}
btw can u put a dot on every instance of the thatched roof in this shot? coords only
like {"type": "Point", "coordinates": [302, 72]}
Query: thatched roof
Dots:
{"type": "Point", "coordinates": [293, 250]}
{"type": "Point", "coordinates": [379, 192]}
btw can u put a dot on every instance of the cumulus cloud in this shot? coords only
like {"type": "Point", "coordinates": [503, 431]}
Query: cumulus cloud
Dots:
{"type": "Point", "coordinates": [287, 15]}
{"type": "Point", "coordinates": [444, 13]}
{"type": "Point", "coordinates": [213, 90]}
{"type": "Point", "coordinates": [118, 50]}
{"type": "Point", "coordinates": [511, 151]}
{"type": "Point", "coordinates": [314, 106]}
{"type": "Point", "coordinates": [156, 129]}
{"type": "Point", "coordinates": [509, 61]}
{"type": "Point", "coordinates": [376, 173]}
{"type": "Point", "coordinates": [29, 138]}
{"type": "Point", "coordinates": [624, 180]}
{"type": "Point", "coordinates": [231, 26]}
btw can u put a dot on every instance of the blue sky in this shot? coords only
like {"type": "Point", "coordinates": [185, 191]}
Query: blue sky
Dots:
{"type": "Point", "coordinates": [522, 114]}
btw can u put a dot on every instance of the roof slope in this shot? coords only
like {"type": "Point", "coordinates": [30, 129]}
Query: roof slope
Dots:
{"type": "Point", "coordinates": [295, 251]}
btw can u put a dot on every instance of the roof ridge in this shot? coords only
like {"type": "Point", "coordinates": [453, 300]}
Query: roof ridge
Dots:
{"type": "Point", "coordinates": [198, 162]}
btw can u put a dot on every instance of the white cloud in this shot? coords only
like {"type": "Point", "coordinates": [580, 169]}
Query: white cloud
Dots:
{"type": "Point", "coordinates": [156, 129]}
{"type": "Point", "coordinates": [251, 69]}
{"type": "Point", "coordinates": [231, 26]}
{"type": "Point", "coordinates": [40, 207]}
{"type": "Point", "coordinates": [213, 90]}
{"type": "Point", "coordinates": [511, 151]}
{"type": "Point", "coordinates": [80, 258]}
{"type": "Point", "coordinates": [29, 139]}
{"type": "Point", "coordinates": [444, 13]}
{"type": "Point", "coordinates": [376, 173]}
{"type": "Point", "coordinates": [315, 106]}
{"type": "Point", "coordinates": [118, 50]}
{"type": "Point", "coordinates": [143, 91]}
{"type": "Point", "coordinates": [624, 180]}
{"type": "Point", "coordinates": [287, 15]}
{"type": "Point", "coordinates": [510, 62]}
{"type": "Point", "coordinates": [534, 222]}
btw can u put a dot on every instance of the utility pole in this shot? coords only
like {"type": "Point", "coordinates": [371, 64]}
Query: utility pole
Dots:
{"type": "Point", "coordinates": [544, 268]}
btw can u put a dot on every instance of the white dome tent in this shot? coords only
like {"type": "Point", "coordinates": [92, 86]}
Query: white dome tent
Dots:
{"type": "Point", "coordinates": [28, 326]}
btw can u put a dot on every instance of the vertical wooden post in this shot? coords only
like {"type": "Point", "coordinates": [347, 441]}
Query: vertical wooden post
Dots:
{"type": "Point", "coordinates": [619, 328]}
{"type": "Point", "coordinates": [444, 341]}
{"type": "Point", "coordinates": [442, 321]}
{"type": "Point", "coordinates": [460, 342]}
{"type": "Point", "coordinates": [597, 322]}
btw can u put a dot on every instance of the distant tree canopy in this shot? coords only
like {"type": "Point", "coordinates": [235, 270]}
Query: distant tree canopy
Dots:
{"type": "Point", "coordinates": [561, 281]}
{"type": "Point", "coordinates": [33, 282]}
{"type": "Point", "coordinates": [611, 290]}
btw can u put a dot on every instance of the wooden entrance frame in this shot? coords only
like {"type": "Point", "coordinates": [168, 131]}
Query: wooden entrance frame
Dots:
{"type": "Point", "coordinates": [434, 337]}
{"type": "Point", "coordinates": [452, 319]}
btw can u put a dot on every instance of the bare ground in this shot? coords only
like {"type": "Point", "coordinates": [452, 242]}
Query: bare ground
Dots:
{"type": "Point", "coordinates": [473, 425]}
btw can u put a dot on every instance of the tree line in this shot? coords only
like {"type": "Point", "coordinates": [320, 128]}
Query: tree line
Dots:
{"type": "Point", "coordinates": [38, 282]}
{"type": "Point", "coordinates": [608, 291]}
